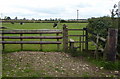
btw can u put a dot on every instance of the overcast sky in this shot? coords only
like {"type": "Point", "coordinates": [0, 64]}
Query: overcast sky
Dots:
{"type": "Point", "coordinates": [65, 9]}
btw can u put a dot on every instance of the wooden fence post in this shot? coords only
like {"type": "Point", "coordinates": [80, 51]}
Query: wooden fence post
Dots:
{"type": "Point", "coordinates": [3, 45]}
{"type": "Point", "coordinates": [86, 39]}
{"type": "Point", "coordinates": [112, 44]}
{"type": "Point", "coordinates": [21, 40]}
{"type": "Point", "coordinates": [97, 46]}
{"type": "Point", "coordinates": [41, 44]}
{"type": "Point", "coordinates": [58, 46]}
{"type": "Point", "coordinates": [65, 38]}
{"type": "Point", "coordinates": [71, 44]}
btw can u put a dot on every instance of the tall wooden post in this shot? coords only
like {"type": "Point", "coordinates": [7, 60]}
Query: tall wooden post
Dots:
{"type": "Point", "coordinates": [21, 40]}
{"type": "Point", "coordinates": [86, 39]}
{"type": "Point", "coordinates": [112, 44]}
{"type": "Point", "coordinates": [65, 38]}
{"type": "Point", "coordinates": [3, 45]}
{"type": "Point", "coordinates": [58, 46]}
{"type": "Point", "coordinates": [41, 44]}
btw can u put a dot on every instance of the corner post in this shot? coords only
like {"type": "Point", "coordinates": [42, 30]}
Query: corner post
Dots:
{"type": "Point", "coordinates": [65, 38]}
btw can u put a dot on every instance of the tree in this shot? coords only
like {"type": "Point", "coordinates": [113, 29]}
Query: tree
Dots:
{"type": "Point", "coordinates": [7, 18]}
{"type": "Point", "coordinates": [16, 18]}
{"type": "Point", "coordinates": [24, 18]}
{"type": "Point", "coordinates": [33, 19]}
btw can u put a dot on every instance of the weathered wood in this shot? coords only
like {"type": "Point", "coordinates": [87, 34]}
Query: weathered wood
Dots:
{"type": "Point", "coordinates": [58, 46]}
{"type": "Point", "coordinates": [21, 40]}
{"type": "Point", "coordinates": [112, 44]}
{"type": "Point", "coordinates": [31, 31]}
{"type": "Point", "coordinates": [31, 37]}
{"type": "Point", "coordinates": [71, 44]}
{"type": "Point", "coordinates": [40, 44]}
{"type": "Point", "coordinates": [83, 40]}
{"type": "Point", "coordinates": [86, 40]}
{"type": "Point", "coordinates": [30, 42]}
{"type": "Point", "coordinates": [65, 38]}
{"type": "Point", "coordinates": [80, 43]}
{"type": "Point", "coordinates": [97, 47]}
{"type": "Point", "coordinates": [3, 45]}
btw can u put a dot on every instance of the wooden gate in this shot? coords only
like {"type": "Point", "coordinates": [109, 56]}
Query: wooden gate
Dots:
{"type": "Point", "coordinates": [68, 43]}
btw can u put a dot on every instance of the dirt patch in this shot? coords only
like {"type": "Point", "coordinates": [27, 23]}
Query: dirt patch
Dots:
{"type": "Point", "coordinates": [55, 64]}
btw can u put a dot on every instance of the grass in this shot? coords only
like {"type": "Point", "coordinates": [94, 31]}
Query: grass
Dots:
{"type": "Point", "coordinates": [100, 62]}
{"type": "Point", "coordinates": [34, 47]}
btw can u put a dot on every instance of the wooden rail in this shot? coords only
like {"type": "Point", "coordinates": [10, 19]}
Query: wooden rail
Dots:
{"type": "Point", "coordinates": [30, 37]}
{"type": "Point", "coordinates": [30, 42]}
{"type": "Point", "coordinates": [110, 49]}
{"type": "Point", "coordinates": [5, 34]}
{"type": "Point", "coordinates": [97, 40]}
{"type": "Point", "coordinates": [83, 39]}
{"type": "Point", "coordinates": [31, 31]}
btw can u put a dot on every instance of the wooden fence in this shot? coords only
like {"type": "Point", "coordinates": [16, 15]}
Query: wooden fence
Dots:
{"type": "Point", "coordinates": [110, 48]}
{"type": "Point", "coordinates": [6, 35]}
{"type": "Point", "coordinates": [69, 43]}
{"type": "Point", "coordinates": [22, 34]}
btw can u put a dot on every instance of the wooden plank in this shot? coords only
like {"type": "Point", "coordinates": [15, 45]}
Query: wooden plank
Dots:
{"type": "Point", "coordinates": [31, 31]}
{"type": "Point", "coordinates": [102, 39]}
{"type": "Point", "coordinates": [30, 42]}
{"type": "Point", "coordinates": [71, 45]}
{"type": "Point", "coordinates": [31, 37]}
{"type": "Point", "coordinates": [71, 40]}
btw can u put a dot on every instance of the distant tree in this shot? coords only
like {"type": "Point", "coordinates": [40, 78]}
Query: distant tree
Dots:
{"type": "Point", "coordinates": [56, 19]}
{"type": "Point", "coordinates": [16, 18]}
{"type": "Point", "coordinates": [24, 18]}
{"type": "Point", "coordinates": [33, 19]}
{"type": "Point", "coordinates": [39, 19]}
{"type": "Point", "coordinates": [46, 20]}
{"type": "Point", "coordinates": [62, 21]}
{"type": "Point", "coordinates": [7, 18]}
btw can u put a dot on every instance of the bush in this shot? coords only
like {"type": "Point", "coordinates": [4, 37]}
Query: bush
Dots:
{"type": "Point", "coordinates": [99, 26]}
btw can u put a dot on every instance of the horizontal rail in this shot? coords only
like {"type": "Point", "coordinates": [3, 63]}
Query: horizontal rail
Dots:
{"type": "Point", "coordinates": [99, 47]}
{"type": "Point", "coordinates": [30, 42]}
{"type": "Point", "coordinates": [99, 37]}
{"type": "Point", "coordinates": [31, 37]}
{"type": "Point", "coordinates": [31, 31]}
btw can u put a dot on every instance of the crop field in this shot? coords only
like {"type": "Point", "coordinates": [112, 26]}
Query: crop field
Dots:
{"type": "Point", "coordinates": [36, 47]}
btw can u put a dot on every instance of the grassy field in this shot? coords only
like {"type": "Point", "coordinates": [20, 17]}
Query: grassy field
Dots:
{"type": "Point", "coordinates": [34, 47]}
{"type": "Point", "coordinates": [51, 64]}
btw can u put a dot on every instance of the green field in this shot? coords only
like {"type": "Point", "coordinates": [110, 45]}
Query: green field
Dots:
{"type": "Point", "coordinates": [36, 47]}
